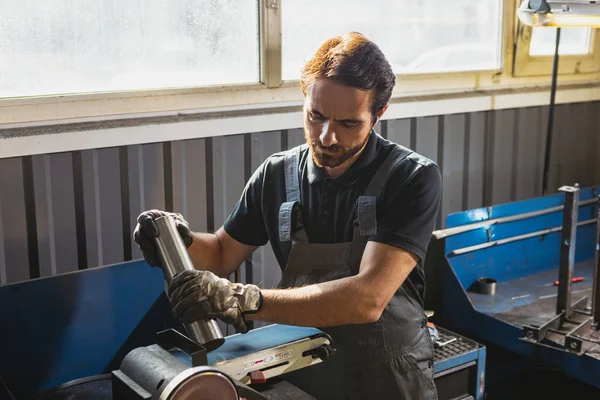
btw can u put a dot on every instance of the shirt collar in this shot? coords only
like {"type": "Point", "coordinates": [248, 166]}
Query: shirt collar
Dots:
{"type": "Point", "coordinates": [369, 154]}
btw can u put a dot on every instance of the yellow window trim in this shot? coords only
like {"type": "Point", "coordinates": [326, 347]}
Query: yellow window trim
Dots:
{"type": "Point", "coordinates": [527, 65]}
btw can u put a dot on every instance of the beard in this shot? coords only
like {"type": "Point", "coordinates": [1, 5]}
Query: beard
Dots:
{"type": "Point", "coordinates": [336, 155]}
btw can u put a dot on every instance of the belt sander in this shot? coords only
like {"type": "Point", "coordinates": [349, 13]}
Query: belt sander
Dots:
{"type": "Point", "coordinates": [180, 368]}
{"type": "Point", "coordinates": [205, 365]}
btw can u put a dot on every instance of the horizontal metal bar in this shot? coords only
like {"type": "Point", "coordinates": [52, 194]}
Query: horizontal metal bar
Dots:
{"type": "Point", "coordinates": [514, 239]}
{"type": "Point", "coordinates": [443, 233]}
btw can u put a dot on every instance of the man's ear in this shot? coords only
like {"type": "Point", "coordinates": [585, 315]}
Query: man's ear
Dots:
{"type": "Point", "coordinates": [380, 113]}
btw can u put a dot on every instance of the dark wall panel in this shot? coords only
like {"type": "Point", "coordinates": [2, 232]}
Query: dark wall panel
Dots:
{"type": "Point", "coordinates": [427, 137]}
{"type": "Point", "coordinates": [61, 212]}
{"type": "Point", "coordinates": [110, 205]}
{"type": "Point", "coordinates": [452, 164]}
{"type": "Point", "coordinates": [189, 181]}
{"type": "Point", "coordinates": [44, 215]}
{"type": "Point", "coordinates": [474, 162]}
{"type": "Point", "coordinates": [502, 156]}
{"type": "Point", "coordinates": [295, 137]}
{"type": "Point", "coordinates": [528, 157]}
{"type": "Point", "coordinates": [399, 131]}
{"type": "Point", "coordinates": [62, 200]}
{"type": "Point", "coordinates": [15, 257]}
{"type": "Point", "coordinates": [589, 143]}
{"type": "Point", "coordinates": [265, 269]}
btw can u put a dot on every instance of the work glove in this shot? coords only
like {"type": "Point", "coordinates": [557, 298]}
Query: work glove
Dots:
{"type": "Point", "coordinates": [201, 295]}
{"type": "Point", "coordinates": [145, 232]}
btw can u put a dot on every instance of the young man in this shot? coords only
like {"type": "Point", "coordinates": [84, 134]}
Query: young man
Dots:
{"type": "Point", "coordinates": [349, 216]}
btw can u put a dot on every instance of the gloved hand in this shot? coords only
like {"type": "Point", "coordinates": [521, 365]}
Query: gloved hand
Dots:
{"type": "Point", "coordinates": [145, 232]}
{"type": "Point", "coordinates": [201, 295]}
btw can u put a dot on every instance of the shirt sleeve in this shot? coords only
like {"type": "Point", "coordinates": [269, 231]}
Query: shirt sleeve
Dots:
{"type": "Point", "coordinates": [246, 223]}
{"type": "Point", "coordinates": [410, 210]}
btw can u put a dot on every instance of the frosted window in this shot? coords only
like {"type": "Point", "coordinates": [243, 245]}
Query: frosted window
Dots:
{"type": "Point", "coordinates": [572, 41]}
{"type": "Point", "coordinates": [76, 46]}
{"type": "Point", "coordinates": [417, 36]}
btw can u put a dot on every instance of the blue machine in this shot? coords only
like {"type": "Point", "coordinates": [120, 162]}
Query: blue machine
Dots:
{"type": "Point", "coordinates": [82, 325]}
{"type": "Point", "coordinates": [522, 276]}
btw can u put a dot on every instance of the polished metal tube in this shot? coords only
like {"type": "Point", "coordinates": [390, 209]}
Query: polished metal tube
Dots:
{"type": "Point", "coordinates": [175, 259]}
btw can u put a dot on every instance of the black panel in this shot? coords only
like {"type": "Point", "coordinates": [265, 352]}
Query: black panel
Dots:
{"type": "Point", "coordinates": [82, 261]}
{"type": "Point", "coordinates": [455, 385]}
{"type": "Point", "coordinates": [32, 241]}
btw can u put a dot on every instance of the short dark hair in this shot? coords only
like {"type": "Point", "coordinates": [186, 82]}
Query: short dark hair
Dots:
{"type": "Point", "coordinates": [355, 61]}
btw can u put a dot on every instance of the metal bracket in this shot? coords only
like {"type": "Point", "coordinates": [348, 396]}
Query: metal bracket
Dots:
{"type": "Point", "coordinates": [536, 334]}
{"type": "Point", "coordinates": [573, 343]}
{"type": "Point", "coordinates": [170, 339]}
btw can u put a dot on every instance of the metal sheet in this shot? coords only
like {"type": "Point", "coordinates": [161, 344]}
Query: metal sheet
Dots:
{"type": "Point", "coordinates": [513, 260]}
{"type": "Point", "coordinates": [2, 246]}
{"type": "Point", "coordinates": [427, 137]}
{"type": "Point", "coordinates": [229, 180]}
{"type": "Point", "coordinates": [146, 183]}
{"type": "Point", "coordinates": [475, 161]}
{"type": "Point", "coordinates": [266, 271]}
{"type": "Point", "coordinates": [109, 206]}
{"type": "Point", "coordinates": [115, 187]}
{"type": "Point", "coordinates": [453, 164]}
{"type": "Point", "coordinates": [399, 131]}
{"type": "Point", "coordinates": [63, 210]}
{"type": "Point", "coordinates": [153, 175]}
{"type": "Point", "coordinates": [12, 210]}
{"type": "Point", "coordinates": [91, 193]}
{"type": "Point", "coordinates": [589, 143]}
{"type": "Point", "coordinates": [542, 132]}
{"type": "Point", "coordinates": [295, 137]}
{"type": "Point", "coordinates": [502, 162]}
{"type": "Point", "coordinates": [528, 155]}
{"type": "Point", "coordinates": [189, 181]}
{"type": "Point", "coordinates": [595, 128]}
{"type": "Point", "coordinates": [381, 128]}
{"type": "Point", "coordinates": [577, 166]}
{"type": "Point", "coordinates": [228, 183]}
{"type": "Point", "coordinates": [90, 320]}
{"type": "Point", "coordinates": [567, 154]}
{"type": "Point", "coordinates": [44, 215]}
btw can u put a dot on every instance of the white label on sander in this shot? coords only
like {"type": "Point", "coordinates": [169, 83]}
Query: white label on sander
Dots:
{"type": "Point", "coordinates": [284, 355]}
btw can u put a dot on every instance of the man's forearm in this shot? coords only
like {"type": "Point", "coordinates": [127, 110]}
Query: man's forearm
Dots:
{"type": "Point", "coordinates": [343, 301]}
{"type": "Point", "coordinates": [206, 253]}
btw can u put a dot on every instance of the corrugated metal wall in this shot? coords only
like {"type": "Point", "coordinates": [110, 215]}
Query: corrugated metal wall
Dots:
{"type": "Point", "coordinates": [68, 211]}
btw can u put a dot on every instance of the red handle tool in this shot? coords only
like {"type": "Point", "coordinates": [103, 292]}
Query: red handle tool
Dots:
{"type": "Point", "coordinates": [576, 279]}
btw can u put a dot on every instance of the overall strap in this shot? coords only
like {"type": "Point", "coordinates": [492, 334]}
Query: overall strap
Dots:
{"type": "Point", "coordinates": [367, 203]}
{"type": "Point", "coordinates": [290, 209]}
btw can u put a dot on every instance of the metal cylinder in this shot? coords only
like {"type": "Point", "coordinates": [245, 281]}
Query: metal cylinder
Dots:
{"type": "Point", "coordinates": [487, 285]}
{"type": "Point", "coordinates": [175, 259]}
{"type": "Point", "coordinates": [153, 372]}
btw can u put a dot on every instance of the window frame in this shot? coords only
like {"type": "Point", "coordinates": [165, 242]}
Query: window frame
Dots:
{"type": "Point", "coordinates": [527, 65]}
{"type": "Point", "coordinates": [256, 98]}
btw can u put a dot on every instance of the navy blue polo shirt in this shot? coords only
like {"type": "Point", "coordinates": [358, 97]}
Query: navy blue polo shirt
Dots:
{"type": "Point", "coordinates": [406, 209]}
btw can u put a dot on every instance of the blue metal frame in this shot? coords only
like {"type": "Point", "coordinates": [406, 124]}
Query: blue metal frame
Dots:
{"type": "Point", "coordinates": [79, 324]}
{"type": "Point", "coordinates": [479, 356]}
{"type": "Point", "coordinates": [535, 259]}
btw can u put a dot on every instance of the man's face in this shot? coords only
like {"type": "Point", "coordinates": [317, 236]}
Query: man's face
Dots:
{"type": "Point", "coordinates": [337, 122]}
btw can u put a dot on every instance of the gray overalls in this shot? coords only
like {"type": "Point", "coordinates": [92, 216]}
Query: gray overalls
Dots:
{"type": "Point", "coordinates": [388, 359]}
